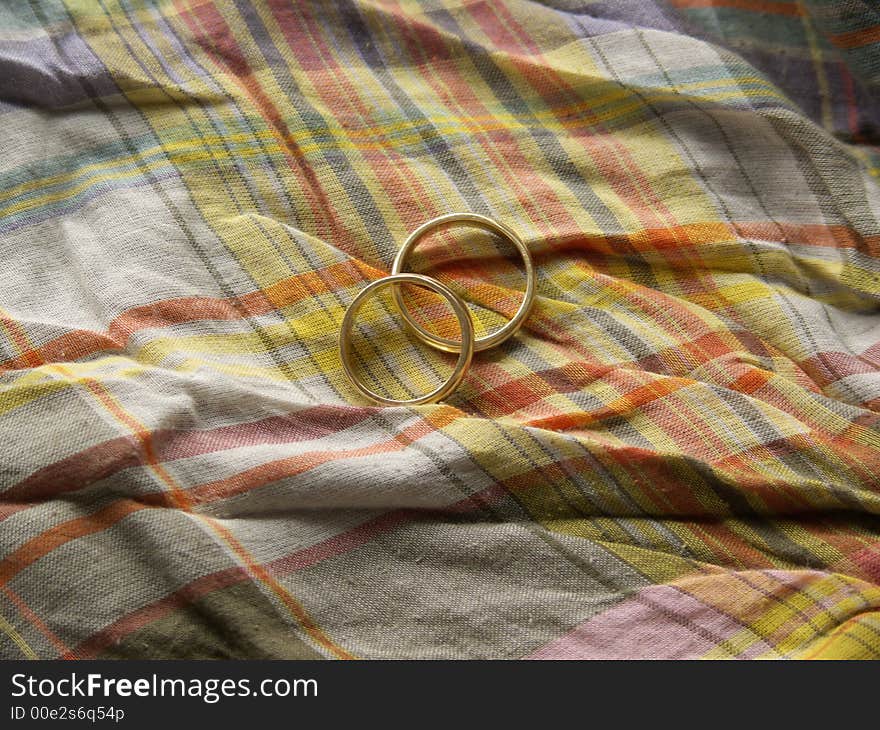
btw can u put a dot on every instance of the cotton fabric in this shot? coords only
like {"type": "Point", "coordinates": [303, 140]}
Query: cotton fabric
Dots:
{"type": "Point", "coordinates": [678, 455]}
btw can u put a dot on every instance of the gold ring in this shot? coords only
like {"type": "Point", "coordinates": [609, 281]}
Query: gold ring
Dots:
{"type": "Point", "coordinates": [466, 348]}
{"type": "Point", "coordinates": [480, 221]}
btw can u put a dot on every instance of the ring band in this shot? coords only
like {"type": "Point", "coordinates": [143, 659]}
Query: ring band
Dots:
{"type": "Point", "coordinates": [466, 347]}
{"type": "Point", "coordinates": [479, 221]}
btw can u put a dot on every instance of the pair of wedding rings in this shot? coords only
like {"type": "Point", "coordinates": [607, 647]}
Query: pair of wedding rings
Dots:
{"type": "Point", "coordinates": [469, 343]}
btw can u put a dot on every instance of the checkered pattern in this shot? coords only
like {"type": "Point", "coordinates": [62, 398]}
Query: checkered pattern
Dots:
{"type": "Point", "coordinates": [677, 457]}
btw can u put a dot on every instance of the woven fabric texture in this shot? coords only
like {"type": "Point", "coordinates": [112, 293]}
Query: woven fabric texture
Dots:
{"type": "Point", "coordinates": [677, 457]}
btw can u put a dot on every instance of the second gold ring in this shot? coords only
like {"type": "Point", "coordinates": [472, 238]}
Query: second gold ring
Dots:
{"type": "Point", "coordinates": [479, 221]}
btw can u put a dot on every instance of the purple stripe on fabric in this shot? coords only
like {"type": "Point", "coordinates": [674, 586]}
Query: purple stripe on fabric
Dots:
{"type": "Point", "coordinates": [630, 14]}
{"type": "Point", "coordinates": [795, 76]}
{"type": "Point", "coordinates": [34, 74]}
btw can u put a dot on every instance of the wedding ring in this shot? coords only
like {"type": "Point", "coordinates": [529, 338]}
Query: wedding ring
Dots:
{"type": "Point", "coordinates": [465, 348]}
{"type": "Point", "coordinates": [479, 221]}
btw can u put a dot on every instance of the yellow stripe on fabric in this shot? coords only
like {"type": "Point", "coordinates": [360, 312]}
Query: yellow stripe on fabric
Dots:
{"type": "Point", "coordinates": [309, 218]}
{"type": "Point", "coordinates": [208, 147]}
{"type": "Point", "coordinates": [20, 394]}
{"type": "Point", "coordinates": [645, 150]}
{"type": "Point", "coordinates": [547, 506]}
{"type": "Point", "coordinates": [658, 563]}
{"type": "Point", "coordinates": [788, 616]}
{"type": "Point", "coordinates": [274, 191]}
{"type": "Point", "coordinates": [426, 191]}
{"type": "Point", "coordinates": [855, 638]}
{"type": "Point", "coordinates": [168, 118]}
{"type": "Point", "coordinates": [803, 634]}
{"type": "Point", "coordinates": [190, 146]}
{"type": "Point", "coordinates": [500, 179]}
{"type": "Point", "coordinates": [16, 638]}
{"type": "Point", "coordinates": [201, 155]}
{"type": "Point", "coordinates": [33, 384]}
{"type": "Point", "coordinates": [805, 600]}
{"type": "Point", "coordinates": [311, 327]}
{"type": "Point", "coordinates": [825, 95]}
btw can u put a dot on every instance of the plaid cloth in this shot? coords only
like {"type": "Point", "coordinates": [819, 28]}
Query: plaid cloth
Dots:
{"type": "Point", "coordinates": [678, 456]}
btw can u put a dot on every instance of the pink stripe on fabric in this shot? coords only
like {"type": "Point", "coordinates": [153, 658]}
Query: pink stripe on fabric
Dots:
{"type": "Point", "coordinates": [658, 622]}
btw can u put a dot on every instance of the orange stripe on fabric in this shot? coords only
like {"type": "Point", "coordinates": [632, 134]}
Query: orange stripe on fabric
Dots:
{"type": "Point", "coordinates": [539, 200]}
{"type": "Point", "coordinates": [54, 537]}
{"type": "Point", "coordinates": [791, 9]}
{"type": "Point", "coordinates": [635, 399]}
{"type": "Point", "coordinates": [131, 622]}
{"type": "Point", "coordinates": [29, 356]}
{"type": "Point", "coordinates": [285, 565]}
{"type": "Point", "coordinates": [217, 39]}
{"type": "Point", "coordinates": [19, 337]}
{"type": "Point", "coordinates": [543, 79]}
{"type": "Point", "coordinates": [275, 470]}
{"type": "Point", "coordinates": [165, 313]}
{"type": "Point", "coordinates": [35, 620]}
{"type": "Point", "coordinates": [81, 343]}
{"type": "Point", "coordinates": [103, 459]}
{"type": "Point", "coordinates": [857, 38]}
{"type": "Point", "coordinates": [387, 163]}
{"type": "Point", "coordinates": [295, 607]}
{"type": "Point", "coordinates": [45, 543]}
{"type": "Point", "coordinates": [182, 501]}
{"type": "Point", "coordinates": [142, 434]}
